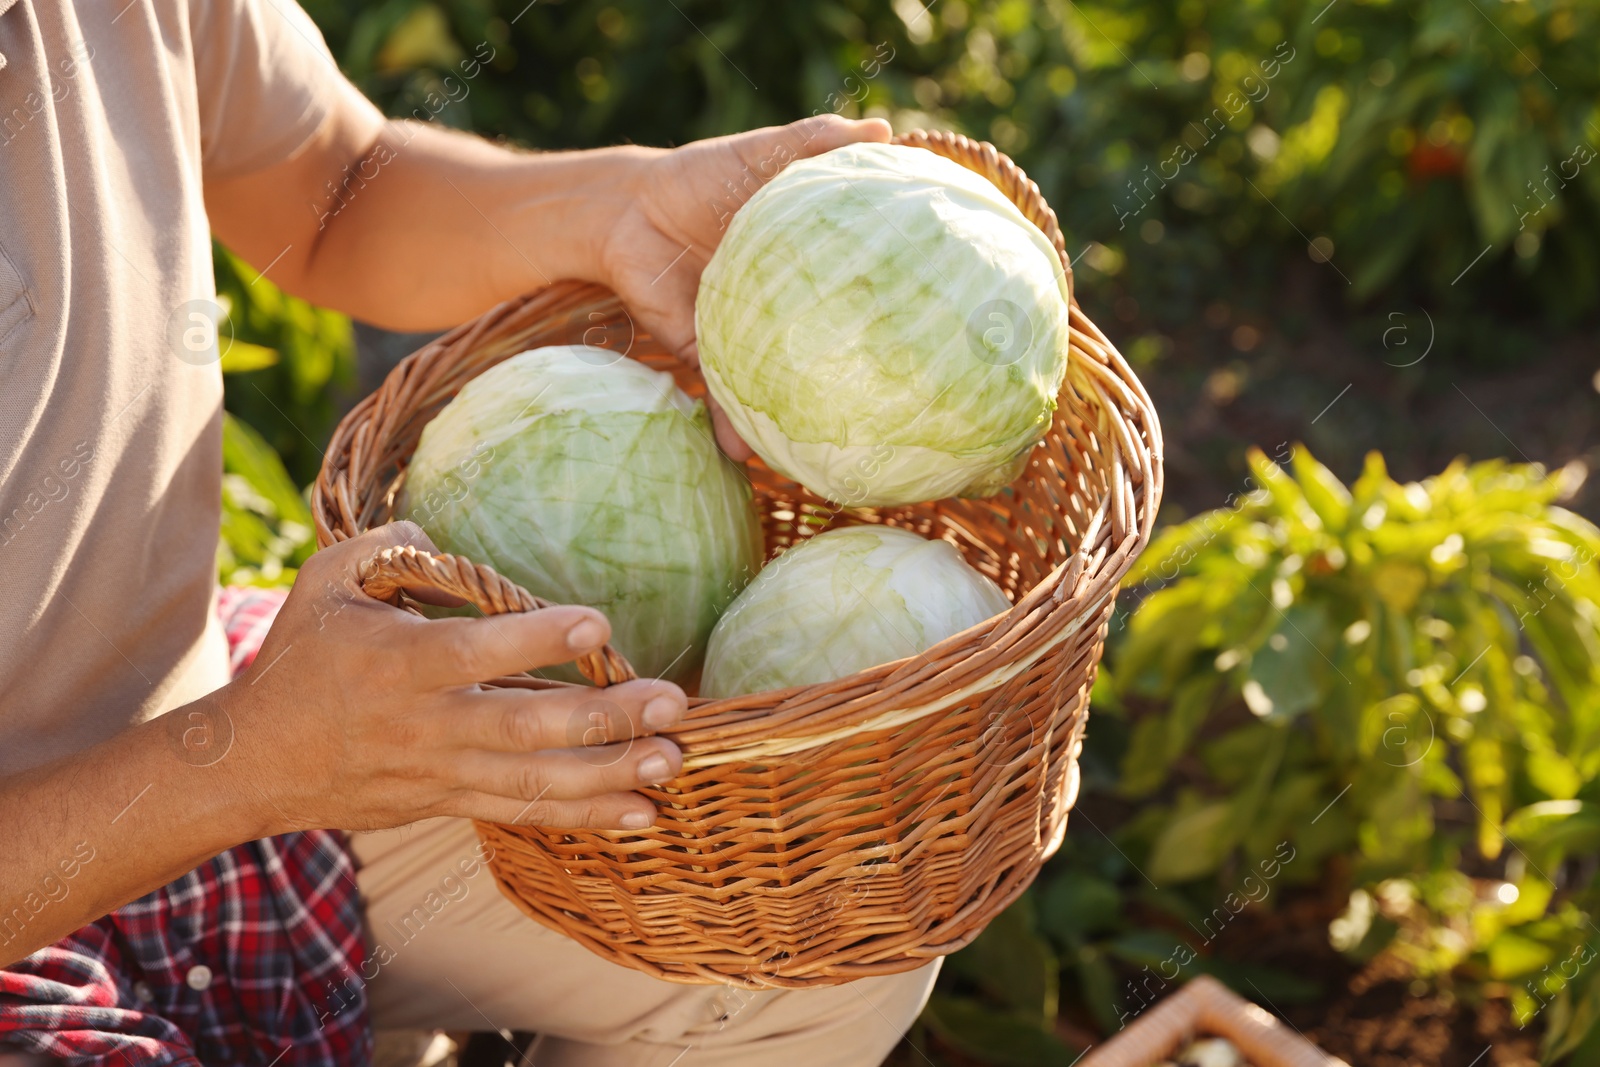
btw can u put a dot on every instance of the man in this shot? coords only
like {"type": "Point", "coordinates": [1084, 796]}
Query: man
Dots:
{"type": "Point", "coordinates": [132, 129]}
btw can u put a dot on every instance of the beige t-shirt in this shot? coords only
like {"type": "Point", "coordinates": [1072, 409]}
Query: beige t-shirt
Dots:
{"type": "Point", "coordinates": [110, 442]}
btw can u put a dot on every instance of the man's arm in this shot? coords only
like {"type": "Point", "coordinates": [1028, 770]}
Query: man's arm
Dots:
{"type": "Point", "coordinates": [89, 832]}
{"type": "Point", "coordinates": [355, 715]}
{"type": "Point", "coordinates": [426, 228]}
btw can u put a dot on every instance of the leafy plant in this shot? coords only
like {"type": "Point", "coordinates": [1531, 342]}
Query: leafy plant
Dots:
{"type": "Point", "coordinates": [266, 525]}
{"type": "Point", "coordinates": [283, 362]}
{"type": "Point", "coordinates": [1409, 674]}
{"type": "Point", "coordinates": [1403, 140]}
{"type": "Point", "coordinates": [1385, 693]}
{"type": "Point", "coordinates": [288, 363]}
{"type": "Point", "coordinates": [1087, 949]}
{"type": "Point", "coordinates": [1013, 978]}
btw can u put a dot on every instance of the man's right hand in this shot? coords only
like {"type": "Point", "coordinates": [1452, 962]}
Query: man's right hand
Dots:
{"type": "Point", "coordinates": [355, 715]}
{"type": "Point", "coordinates": [358, 715]}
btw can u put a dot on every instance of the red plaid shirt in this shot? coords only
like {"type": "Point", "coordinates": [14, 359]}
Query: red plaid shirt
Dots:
{"type": "Point", "coordinates": [251, 958]}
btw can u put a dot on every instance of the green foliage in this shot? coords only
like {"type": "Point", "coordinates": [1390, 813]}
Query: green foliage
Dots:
{"type": "Point", "coordinates": [1407, 674]}
{"type": "Point", "coordinates": [1431, 640]}
{"type": "Point", "coordinates": [1015, 977]}
{"type": "Point", "coordinates": [1119, 943]}
{"type": "Point", "coordinates": [1362, 691]}
{"type": "Point", "coordinates": [1413, 135]}
{"type": "Point", "coordinates": [283, 361]}
{"type": "Point", "coordinates": [266, 525]}
{"type": "Point", "coordinates": [287, 363]}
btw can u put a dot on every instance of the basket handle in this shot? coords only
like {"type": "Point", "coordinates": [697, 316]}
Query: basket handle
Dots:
{"type": "Point", "coordinates": [388, 574]}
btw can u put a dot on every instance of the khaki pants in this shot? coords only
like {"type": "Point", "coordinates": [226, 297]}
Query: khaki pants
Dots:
{"type": "Point", "coordinates": [457, 955]}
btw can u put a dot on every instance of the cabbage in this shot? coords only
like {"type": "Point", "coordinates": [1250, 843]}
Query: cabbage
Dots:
{"type": "Point", "coordinates": [592, 480]}
{"type": "Point", "coordinates": [883, 326]}
{"type": "Point", "coordinates": [841, 602]}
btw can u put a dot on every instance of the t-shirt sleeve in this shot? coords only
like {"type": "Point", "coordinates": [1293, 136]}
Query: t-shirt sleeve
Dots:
{"type": "Point", "coordinates": [266, 83]}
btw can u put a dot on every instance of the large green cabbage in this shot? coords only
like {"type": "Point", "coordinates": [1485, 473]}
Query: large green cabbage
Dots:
{"type": "Point", "coordinates": [841, 602]}
{"type": "Point", "coordinates": [883, 326]}
{"type": "Point", "coordinates": [589, 479]}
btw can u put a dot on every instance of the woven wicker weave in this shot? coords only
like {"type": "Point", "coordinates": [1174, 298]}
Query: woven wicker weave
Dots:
{"type": "Point", "coordinates": [856, 827]}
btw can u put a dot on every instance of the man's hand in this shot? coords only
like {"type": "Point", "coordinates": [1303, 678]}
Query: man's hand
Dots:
{"type": "Point", "coordinates": [653, 256]}
{"type": "Point", "coordinates": [355, 715]}
{"type": "Point", "coordinates": [361, 716]}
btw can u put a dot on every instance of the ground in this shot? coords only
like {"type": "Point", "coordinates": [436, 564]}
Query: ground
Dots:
{"type": "Point", "coordinates": [1343, 381]}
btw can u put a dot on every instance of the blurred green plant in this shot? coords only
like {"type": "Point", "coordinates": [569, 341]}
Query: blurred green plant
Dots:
{"type": "Point", "coordinates": [1401, 141]}
{"type": "Point", "coordinates": [1381, 636]}
{"type": "Point", "coordinates": [284, 362]}
{"type": "Point", "coordinates": [1382, 699]}
{"type": "Point", "coordinates": [288, 364]}
{"type": "Point", "coordinates": [266, 525]}
{"type": "Point", "coordinates": [1407, 675]}
{"type": "Point", "coordinates": [1015, 977]}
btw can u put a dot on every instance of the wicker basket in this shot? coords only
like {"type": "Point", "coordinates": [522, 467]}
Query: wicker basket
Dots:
{"type": "Point", "coordinates": [1207, 1008]}
{"type": "Point", "coordinates": [857, 827]}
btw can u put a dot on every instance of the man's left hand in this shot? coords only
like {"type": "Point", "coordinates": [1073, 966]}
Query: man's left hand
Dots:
{"type": "Point", "coordinates": [686, 197]}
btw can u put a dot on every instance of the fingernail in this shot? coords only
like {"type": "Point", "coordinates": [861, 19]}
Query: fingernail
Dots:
{"type": "Point", "coordinates": [661, 712]}
{"type": "Point", "coordinates": [636, 820]}
{"type": "Point", "coordinates": [586, 635]}
{"type": "Point", "coordinates": [654, 769]}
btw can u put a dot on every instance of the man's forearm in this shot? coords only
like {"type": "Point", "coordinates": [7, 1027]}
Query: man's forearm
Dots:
{"type": "Point", "coordinates": [475, 222]}
{"type": "Point", "coordinates": [428, 227]}
{"type": "Point", "coordinates": [88, 833]}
